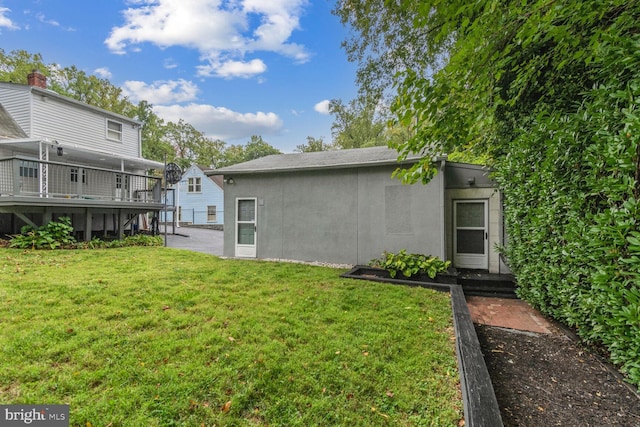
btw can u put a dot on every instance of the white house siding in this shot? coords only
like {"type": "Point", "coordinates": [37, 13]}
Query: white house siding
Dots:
{"type": "Point", "coordinates": [86, 130]}
{"type": "Point", "coordinates": [44, 114]}
{"type": "Point", "coordinates": [16, 100]}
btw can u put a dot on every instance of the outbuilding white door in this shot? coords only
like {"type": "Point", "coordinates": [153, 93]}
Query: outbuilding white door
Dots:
{"type": "Point", "coordinates": [471, 234]}
{"type": "Point", "coordinates": [246, 228]}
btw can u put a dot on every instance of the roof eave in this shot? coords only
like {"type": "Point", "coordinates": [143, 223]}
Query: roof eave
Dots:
{"type": "Point", "coordinates": [231, 170]}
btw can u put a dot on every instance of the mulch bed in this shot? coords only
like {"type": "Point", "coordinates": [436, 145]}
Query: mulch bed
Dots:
{"type": "Point", "coordinates": [551, 380]}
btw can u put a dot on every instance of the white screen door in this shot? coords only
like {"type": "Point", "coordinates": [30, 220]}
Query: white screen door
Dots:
{"type": "Point", "coordinates": [246, 228]}
{"type": "Point", "coordinates": [470, 241]}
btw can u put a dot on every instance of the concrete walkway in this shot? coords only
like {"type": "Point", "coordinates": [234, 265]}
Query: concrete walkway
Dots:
{"type": "Point", "coordinates": [195, 239]}
{"type": "Point", "coordinates": [508, 313]}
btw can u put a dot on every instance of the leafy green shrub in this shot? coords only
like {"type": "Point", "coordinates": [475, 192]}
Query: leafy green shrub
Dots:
{"type": "Point", "coordinates": [59, 234]}
{"type": "Point", "coordinates": [410, 264]}
{"type": "Point", "coordinates": [572, 209]}
{"type": "Point", "coordinates": [51, 236]}
{"type": "Point", "coordinates": [140, 240]}
{"type": "Point", "coordinates": [135, 240]}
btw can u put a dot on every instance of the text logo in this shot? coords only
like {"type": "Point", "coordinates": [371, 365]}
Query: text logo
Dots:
{"type": "Point", "coordinates": [34, 415]}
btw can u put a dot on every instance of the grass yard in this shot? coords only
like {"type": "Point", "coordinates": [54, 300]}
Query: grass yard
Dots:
{"type": "Point", "coordinates": [164, 337]}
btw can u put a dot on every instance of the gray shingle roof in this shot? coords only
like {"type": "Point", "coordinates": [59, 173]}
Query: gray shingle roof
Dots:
{"type": "Point", "coordinates": [335, 159]}
{"type": "Point", "coordinates": [9, 129]}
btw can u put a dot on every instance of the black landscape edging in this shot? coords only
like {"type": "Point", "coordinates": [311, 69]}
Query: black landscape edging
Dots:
{"type": "Point", "coordinates": [478, 397]}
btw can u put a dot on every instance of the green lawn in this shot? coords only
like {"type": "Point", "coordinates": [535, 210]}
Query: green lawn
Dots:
{"type": "Point", "coordinates": [161, 337]}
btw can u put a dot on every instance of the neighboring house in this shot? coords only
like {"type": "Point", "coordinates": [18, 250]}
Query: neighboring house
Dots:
{"type": "Point", "coordinates": [61, 157]}
{"type": "Point", "coordinates": [344, 207]}
{"type": "Point", "coordinates": [198, 199]}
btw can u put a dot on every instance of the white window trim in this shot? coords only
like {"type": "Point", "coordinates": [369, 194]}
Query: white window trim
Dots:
{"type": "Point", "coordinates": [197, 182]}
{"type": "Point", "coordinates": [214, 215]}
{"type": "Point", "coordinates": [108, 130]}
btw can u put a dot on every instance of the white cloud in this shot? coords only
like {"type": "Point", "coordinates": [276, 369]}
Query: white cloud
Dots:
{"type": "Point", "coordinates": [279, 19]}
{"type": "Point", "coordinates": [5, 21]}
{"type": "Point", "coordinates": [103, 72]}
{"type": "Point", "coordinates": [160, 92]}
{"type": "Point", "coordinates": [170, 64]}
{"type": "Point", "coordinates": [322, 107]}
{"type": "Point", "coordinates": [40, 17]}
{"type": "Point", "coordinates": [223, 31]}
{"type": "Point", "coordinates": [222, 123]}
{"type": "Point", "coordinates": [230, 69]}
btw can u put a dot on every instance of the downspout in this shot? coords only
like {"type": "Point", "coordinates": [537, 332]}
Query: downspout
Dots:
{"type": "Point", "coordinates": [443, 219]}
{"type": "Point", "coordinates": [176, 195]}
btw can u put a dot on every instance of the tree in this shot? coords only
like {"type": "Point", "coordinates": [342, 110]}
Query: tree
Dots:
{"type": "Point", "coordinates": [313, 145]}
{"type": "Point", "coordinates": [77, 84]}
{"type": "Point", "coordinates": [209, 152]}
{"type": "Point", "coordinates": [185, 140]}
{"type": "Point", "coordinates": [255, 148]}
{"type": "Point", "coordinates": [357, 124]}
{"type": "Point", "coordinates": [154, 144]}
{"type": "Point", "coordinates": [16, 66]}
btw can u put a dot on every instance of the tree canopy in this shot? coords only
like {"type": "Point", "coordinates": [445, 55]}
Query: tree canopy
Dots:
{"type": "Point", "coordinates": [357, 124]}
{"type": "Point", "coordinates": [313, 145]}
{"type": "Point", "coordinates": [255, 148]}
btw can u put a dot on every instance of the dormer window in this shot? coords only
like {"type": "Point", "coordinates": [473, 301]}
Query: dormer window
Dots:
{"type": "Point", "coordinates": [114, 130]}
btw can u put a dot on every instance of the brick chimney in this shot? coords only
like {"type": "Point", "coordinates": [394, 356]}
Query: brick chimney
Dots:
{"type": "Point", "coordinates": [36, 78]}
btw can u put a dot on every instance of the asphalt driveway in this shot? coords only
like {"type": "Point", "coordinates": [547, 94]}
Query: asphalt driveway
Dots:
{"type": "Point", "coordinates": [195, 239]}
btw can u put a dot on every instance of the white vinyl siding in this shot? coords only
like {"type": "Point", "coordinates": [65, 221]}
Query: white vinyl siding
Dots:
{"type": "Point", "coordinates": [46, 115]}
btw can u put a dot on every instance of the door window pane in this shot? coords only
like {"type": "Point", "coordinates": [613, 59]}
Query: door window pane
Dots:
{"type": "Point", "coordinates": [470, 242]}
{"type": "Point", "coordinates": [246, 210]}
{"type": "Point", "coordinates": [470, 214]}
{"type": "Point", "coordinates": [246, 234]}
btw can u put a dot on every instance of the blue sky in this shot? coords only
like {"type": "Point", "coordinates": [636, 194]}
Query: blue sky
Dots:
{"type": "Point", "coordinates": [231, 68]}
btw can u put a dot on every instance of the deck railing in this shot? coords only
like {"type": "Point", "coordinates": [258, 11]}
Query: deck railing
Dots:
{"type": "Point", "coordinates": [35, 178]}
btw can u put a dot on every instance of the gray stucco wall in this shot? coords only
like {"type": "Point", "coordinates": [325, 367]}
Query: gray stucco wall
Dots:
{"type": "Point", "coordinates": [342, 215]}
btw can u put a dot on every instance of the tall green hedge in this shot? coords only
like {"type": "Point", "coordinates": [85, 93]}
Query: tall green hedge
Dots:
{"type": "Point", "coordinates": [571, 184]}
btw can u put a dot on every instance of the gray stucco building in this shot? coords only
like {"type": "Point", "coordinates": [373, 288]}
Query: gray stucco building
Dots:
{"type": "Point", "coordinates": [343, 206]}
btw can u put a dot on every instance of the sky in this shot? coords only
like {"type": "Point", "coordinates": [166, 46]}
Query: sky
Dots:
{"type": "Point", "coordinates": [230, 68]}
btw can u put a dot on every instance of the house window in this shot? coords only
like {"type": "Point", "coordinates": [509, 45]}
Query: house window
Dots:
{"type": "Point", "coordinates": [194, 185]}
{"type": "Point", "coordinates": [211, 214]}
{"type": "Point", "coordinates": [74, 175]}
{"type": "Point", "coordinates": [119, 181]}
{"type": "Point", "coordinates": [29, 169]}
{"type": "Point", "coordinates": [114, 131]}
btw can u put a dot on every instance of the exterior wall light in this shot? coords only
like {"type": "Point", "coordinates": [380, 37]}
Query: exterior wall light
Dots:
{"type": "Point", "coordinates": [229, 181]}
